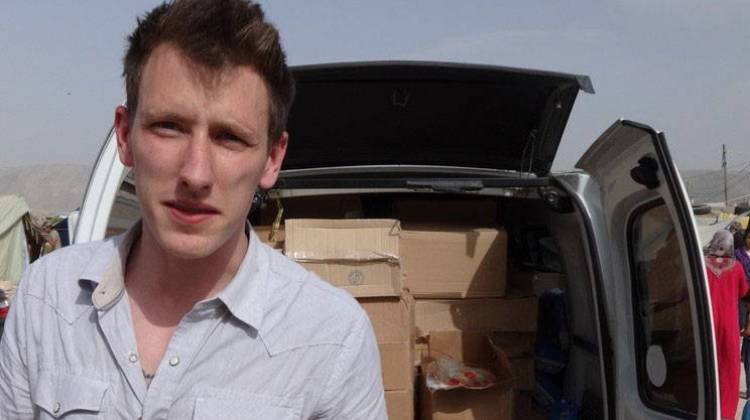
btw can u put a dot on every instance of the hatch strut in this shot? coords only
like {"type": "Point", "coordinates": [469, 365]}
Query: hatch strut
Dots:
{"type": "Point", "coordinates": [527, 155]}
{"type": "Point", "coordinates": [447, 186]}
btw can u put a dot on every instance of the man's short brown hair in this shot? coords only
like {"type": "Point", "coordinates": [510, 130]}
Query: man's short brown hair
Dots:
{"type": "Point", "coordinates": [214, 34]}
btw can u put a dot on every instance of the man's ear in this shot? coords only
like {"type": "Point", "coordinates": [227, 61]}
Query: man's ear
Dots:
{"type": "Point", "coordinates": [273, 162]}
{"type": "Point", "coordinates": [124, 141]}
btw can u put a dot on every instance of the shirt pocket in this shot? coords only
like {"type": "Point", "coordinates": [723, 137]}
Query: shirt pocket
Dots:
{"type": "Point", "coordinates": [247, 406]}
{"type": "Point", "coordinates": [65, 396]}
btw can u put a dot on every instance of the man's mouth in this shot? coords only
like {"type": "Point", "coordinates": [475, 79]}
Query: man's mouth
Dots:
{"type": "Point", "coordinates": [188, 212]}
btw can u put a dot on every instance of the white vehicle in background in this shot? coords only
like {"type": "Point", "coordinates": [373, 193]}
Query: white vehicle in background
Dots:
{"type": "Point", "coordinates": [640, 316]}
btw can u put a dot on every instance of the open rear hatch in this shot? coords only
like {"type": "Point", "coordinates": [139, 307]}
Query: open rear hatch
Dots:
{"type": "Point", "coordinates": [421, 114]}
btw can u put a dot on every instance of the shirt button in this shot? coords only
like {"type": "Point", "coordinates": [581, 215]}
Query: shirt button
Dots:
{"type": "Point", "coordinates": [56, 409]}
{"type": "Point", "coordinates": [133, 357]}
{"type": "Point", "coordinates": [174, 361]}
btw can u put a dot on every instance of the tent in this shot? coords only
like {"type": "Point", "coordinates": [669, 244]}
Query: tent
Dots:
{"type": "Point", "coordinates": [13, 251]}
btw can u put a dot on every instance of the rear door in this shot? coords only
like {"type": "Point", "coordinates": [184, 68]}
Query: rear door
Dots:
{"type": "Point", "coordinates": [428, 115]}
{"type": "Point", "coordinates": [656, 298]}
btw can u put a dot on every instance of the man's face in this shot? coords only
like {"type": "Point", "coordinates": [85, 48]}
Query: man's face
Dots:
{"type": "Point", "coordinates": [199, 147]}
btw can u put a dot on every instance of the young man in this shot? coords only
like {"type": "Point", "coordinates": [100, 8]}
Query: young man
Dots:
{"type": "Point", "coordinates": [188, 315]}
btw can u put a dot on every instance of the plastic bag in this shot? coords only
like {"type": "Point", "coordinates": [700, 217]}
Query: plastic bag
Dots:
{"type": "Point", "coordinates": [447, 373]}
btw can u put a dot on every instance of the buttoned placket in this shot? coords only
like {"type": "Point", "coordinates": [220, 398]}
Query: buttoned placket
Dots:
{"type": "Point", "coordinates": [190, 336]}
{"type": "Point", "coordinates": [115, 321]}
{"type": "Point", "coordinates": [117, 327]}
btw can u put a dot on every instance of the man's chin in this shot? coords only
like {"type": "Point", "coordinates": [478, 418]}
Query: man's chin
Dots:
{"type": "Point", "coordinates": [189, 254]}
{"type": "Point", "coordinates": [189, 246]}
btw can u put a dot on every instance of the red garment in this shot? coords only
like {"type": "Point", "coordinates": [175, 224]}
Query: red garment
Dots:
{"type": "Point", "coordinates": [727, 288]}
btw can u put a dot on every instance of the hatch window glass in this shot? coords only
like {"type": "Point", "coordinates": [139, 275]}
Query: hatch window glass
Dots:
{"type": "Point", "coordinates": [665, 347]}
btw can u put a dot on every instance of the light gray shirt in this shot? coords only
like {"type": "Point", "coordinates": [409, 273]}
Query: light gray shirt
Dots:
{"type": "Point", "coordinates": [276, 343]}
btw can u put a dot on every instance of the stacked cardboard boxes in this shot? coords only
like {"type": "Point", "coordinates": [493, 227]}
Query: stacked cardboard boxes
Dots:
{"type": "Point", "coordinates": [458, 276]}
{"type": "Point", "coordinates": [362, 257]}
{"type": "Point", "coordinates": [428, 288]}
{"type": "Point", "coordinates": [393, 320]}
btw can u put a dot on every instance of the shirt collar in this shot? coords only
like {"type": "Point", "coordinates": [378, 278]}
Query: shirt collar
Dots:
{"type": "Point", "coordinates": [244, 296]}
{"type": "Point", "coordinates": [106, 270]}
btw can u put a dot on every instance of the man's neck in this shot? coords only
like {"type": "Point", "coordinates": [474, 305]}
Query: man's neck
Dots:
{"type": "Point", "coordinates": [162, 289]}
{"type": "Point", "coordinates": [183, 282]}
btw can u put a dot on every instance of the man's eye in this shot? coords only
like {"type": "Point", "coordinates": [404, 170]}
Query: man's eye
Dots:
{"type": "Point", "coordinates": [229, 137]}
{"type": "Point", "coordinates": [166, 125]}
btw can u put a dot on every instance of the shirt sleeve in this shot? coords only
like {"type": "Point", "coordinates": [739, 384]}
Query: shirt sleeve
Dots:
{"type": "Point", "coordinates": [15, 398]}
{"type": "Point", "coordinates": [355, 388]}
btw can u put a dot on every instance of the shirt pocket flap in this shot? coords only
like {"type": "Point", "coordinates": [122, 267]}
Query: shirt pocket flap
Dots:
{"type": "Point", "coordinates": [256, 406]}
{"type": "Point", "coordinates": [62, 393]}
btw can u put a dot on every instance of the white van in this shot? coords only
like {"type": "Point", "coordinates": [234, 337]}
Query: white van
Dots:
{"type": "Point", "coordinates": [639, 313]}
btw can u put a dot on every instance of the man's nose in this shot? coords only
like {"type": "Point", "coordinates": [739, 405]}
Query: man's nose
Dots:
{"type": "Point", "coordinates": [196, 171]}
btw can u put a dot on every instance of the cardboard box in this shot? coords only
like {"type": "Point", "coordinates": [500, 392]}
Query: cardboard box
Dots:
{"type": "Point", "coordinates": [400, 404]}
{"type": "Point", "coordinates": [454, 262]}
{"type": "Point", "coordinates": [515, 344]}
{"type": "Point", "coordinates": [513, 347]}
{"type": "Point", "coordinates": [396, 362]}
{"type": "Point", "coordinates": [468, 347]}
{"type": "Point", "coordinates": [468, 404]}
{"type": "Point", "coordinates": [359, 255]}
{"type": "Point", "coordinates": [475, 315]}
{"type": "Point", "coordinates": [393, 320]}
{"type": "Point", "coordinates": [421, 350]}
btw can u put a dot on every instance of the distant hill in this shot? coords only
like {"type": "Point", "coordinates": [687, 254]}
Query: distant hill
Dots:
{"type": "Point", "coordinates": [48, 189]}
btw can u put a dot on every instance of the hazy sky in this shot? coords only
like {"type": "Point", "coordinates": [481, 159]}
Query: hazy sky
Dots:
{"type": "Point", "coordinates": [681, 66]}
